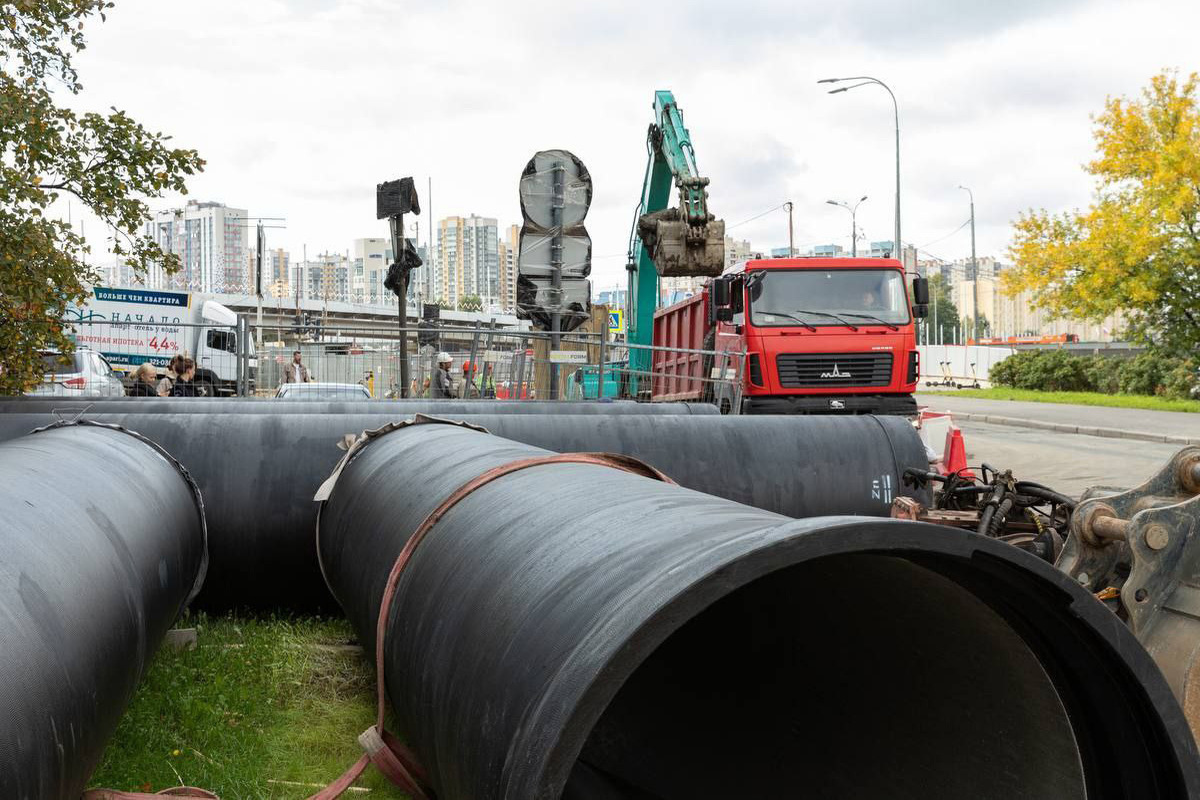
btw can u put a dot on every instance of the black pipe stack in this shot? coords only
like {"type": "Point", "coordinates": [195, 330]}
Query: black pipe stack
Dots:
{"type": "Point", "coordinates": [101, 545]}
{"type": "Point", "coordinates": [394, 408]}
{"type": "Point", "coordinates": [575, 631]}
{"type": "Point", "coordinates": [258, 473]}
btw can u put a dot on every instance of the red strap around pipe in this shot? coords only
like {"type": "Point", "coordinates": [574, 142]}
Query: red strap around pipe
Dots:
{"type": "Point", "coordinates": [383, 750]}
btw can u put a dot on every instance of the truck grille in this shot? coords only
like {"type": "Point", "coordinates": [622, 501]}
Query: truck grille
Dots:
{"type": "Point", "coordinates": [798, 370]}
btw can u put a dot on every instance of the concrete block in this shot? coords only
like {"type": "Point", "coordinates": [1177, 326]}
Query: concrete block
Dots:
{"type": "Point", "coordinates": [181, 639]}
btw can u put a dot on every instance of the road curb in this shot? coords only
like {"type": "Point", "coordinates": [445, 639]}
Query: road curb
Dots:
{"type": "Point", "coordinates": [1083, 430]}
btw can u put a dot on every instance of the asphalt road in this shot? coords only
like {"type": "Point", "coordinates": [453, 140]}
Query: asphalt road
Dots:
{"type": "Point", "coordinates": [1169, 423]}
{"type": "Point", "coordinates": [1068, 462]}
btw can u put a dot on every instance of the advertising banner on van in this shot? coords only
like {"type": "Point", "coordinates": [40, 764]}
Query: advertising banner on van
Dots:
{"type": "Point", "coordinates": [129, 326]}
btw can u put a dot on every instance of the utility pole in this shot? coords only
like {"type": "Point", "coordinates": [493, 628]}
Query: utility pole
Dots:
{"type": "Point", "coordinates": [791, 236]}
{"type": "Point", "coordinates": [974, 271]}
{"type": "Point", "coordinates": [259, 252]}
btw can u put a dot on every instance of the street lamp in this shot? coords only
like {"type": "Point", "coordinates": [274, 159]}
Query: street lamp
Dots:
{"type": "Point", "coordinates": [865, 79]}
{"type": "Point", "coordinates": [974, 270]}
{"type": "Point", "coordinates": [853, 224]}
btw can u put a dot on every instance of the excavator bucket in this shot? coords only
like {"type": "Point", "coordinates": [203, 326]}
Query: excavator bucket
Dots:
{"type": "Point", "coordinates": [678, 249]}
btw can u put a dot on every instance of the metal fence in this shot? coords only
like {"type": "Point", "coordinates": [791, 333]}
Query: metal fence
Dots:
{"type": "Point", "coordinates": [108, 352]}
{"type": "Point", "coordinates": [489, 362]}
{"type": "Point", "coordinates": [486, 362]}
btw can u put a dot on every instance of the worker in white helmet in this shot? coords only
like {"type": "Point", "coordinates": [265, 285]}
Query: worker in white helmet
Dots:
{"type": "Point", "coordinates": [440, 387]}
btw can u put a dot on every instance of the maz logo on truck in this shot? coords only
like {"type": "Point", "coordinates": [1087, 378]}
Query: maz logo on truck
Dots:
{"type": "Point", "coordinates": [837, 373]}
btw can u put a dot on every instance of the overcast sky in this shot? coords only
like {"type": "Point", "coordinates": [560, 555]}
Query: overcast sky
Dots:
{"type": "Point", "coordinates": [301, 106]}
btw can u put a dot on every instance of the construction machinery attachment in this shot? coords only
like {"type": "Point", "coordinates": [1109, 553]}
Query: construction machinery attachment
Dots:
{"type": "Point", "coordinates": [685, 240]}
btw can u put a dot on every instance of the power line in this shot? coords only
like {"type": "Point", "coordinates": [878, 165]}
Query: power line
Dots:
{"type": "Point", "coordinates": [756, 216]}
{"type": "Point", "coordinates": [948, 235]}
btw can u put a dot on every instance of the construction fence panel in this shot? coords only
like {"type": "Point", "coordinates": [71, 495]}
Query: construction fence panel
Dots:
{"type": "Point", "coordinates": [960, 363]}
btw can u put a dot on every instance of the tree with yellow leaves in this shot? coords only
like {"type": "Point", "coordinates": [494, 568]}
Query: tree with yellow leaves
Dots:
{"type": "Point", "coordinates": [107, 161]}
{"type": "Point", "coordinates": [1137, 248]}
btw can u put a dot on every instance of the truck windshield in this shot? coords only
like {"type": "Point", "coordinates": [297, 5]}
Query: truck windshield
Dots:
{"type": "Point", "coordinates": [782, 297]}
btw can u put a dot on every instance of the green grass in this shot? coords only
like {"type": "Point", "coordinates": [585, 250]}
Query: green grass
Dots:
{"type": "Point", "coordinates": [256, 703]}
{"type": "Point", "coordinates": [1078, 398]}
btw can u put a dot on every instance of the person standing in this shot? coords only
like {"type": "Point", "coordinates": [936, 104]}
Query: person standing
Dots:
{"type": "Point", "coordinates": [184, 383]}
{"type": "Point", "coordinates": [440, 387]}
{"type": "Point", "coordinates": [145, 380]}
{"type": "Point", "coordinates": [168, 380]}
{"type": "Point", "coordinates": [296, 372]}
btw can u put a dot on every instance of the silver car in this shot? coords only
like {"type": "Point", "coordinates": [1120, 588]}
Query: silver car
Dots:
{"type": "Point", "coordinates": [84, 373]}
{"type": "Point", "coordinates": [323, 391]}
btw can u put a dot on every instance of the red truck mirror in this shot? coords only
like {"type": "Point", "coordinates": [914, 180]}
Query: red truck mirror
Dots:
{"type": "Point", "coordinates": [920, 293]}
{"type": "Point", "coordinates": [720, 292]}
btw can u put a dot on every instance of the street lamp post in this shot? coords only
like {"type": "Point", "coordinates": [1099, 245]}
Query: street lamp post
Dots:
{"type": "Point", "coordinates": [853, 222]}
{"type": "Point", "coordinates": [974, 271]}
{"type": "Point", "coordinates": [865, 79]}
{"type": "Point", "coordinates": [791, 237]}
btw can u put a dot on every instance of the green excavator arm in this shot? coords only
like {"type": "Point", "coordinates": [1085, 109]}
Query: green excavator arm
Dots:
{"type": "Point", "coordinates": [684, 240]}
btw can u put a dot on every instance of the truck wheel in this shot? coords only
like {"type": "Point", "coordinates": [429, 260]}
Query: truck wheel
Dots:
{"type": "Point", "coordinates": [205, 389]}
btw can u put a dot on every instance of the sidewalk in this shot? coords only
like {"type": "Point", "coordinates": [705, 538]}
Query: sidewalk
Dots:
{"type": "Point", "coordinates": [1171, 427]}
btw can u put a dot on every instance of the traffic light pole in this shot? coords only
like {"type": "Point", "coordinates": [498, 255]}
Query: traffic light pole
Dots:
{"type": "Point", "coordinates": [398, 245]}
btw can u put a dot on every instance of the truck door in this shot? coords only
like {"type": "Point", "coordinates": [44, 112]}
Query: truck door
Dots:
{"type": "Point", "coordinates": [217, 352]}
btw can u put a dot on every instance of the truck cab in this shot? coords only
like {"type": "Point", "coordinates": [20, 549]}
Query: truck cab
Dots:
{"type": "Point", "coordinates": [820, 335]}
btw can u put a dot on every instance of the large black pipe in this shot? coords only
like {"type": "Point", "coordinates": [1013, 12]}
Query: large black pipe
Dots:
{"type": "Point", "coordinates": [101, 545]}
{"type": "Point", "coordinates": [572, 630]}
{"type": "Point", "coordinates": [257, 471]}
{"type": "Point", "coordinates": [181, 405]}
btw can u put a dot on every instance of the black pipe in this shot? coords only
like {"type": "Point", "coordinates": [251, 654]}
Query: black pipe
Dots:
{"type": "Point", "coordinates": [575, 631]}
{"type": "Point", "coordinates": [259, 471]}
{"type": "Point", "coordinates": [101, 544]}
{"type": "Point", "coordinates": [216, 405]}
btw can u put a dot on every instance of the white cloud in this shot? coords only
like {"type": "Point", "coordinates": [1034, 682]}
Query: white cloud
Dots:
{"type": "Point", "coordinates": [302, 107]}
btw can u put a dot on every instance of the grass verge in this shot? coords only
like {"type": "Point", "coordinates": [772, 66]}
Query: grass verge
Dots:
{"type": "Point", "coordinates": [261, 708]}
{"type": "Point", "coordinates": [1077, 398]}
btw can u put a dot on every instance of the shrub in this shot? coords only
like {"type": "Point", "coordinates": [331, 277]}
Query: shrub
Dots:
{"type": "Point", "coordinates": [1143, 374]}
{"type": "Point", "coordinates": [1149, 373]}
{"type": "Point", "coordinates": [1105, 374]}
{"type": "Point", "coordinates": [1045, 370]}
{"type": "Point", "coordinates": [1179, 382]}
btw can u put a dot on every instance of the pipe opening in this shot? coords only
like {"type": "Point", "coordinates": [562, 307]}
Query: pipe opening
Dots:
{"type": "Point", "coordinates": [849, 676]}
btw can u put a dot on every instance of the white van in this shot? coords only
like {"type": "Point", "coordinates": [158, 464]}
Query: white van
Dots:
{"type": "Point", "coordinates": [132, 326]}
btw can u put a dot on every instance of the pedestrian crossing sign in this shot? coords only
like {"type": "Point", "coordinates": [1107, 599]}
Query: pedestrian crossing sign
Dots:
{"type": "Point", "coordinates": [616, 321]}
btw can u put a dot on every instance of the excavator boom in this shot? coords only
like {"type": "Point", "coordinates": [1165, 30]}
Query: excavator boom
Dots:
{"type": "Point", "coordinates": [686, 240]}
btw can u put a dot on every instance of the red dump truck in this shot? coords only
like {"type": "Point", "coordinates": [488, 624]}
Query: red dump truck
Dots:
{"type": "Point", "coordinates": [819, 335]}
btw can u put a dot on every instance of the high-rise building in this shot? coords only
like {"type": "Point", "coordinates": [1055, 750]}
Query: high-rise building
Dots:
{"type": "Point", "coordinates": [468, 260]}
{"type": "Point", "coordinates": [275, 272]}
{"type": "Point", "coordinates": [448, 265]}
{"type": "Point", "coordinates": [508, 251]}
{"type": "Point", "coordinates": [326, 277]}
{"type": "Point", "coordinates": [211, 241]}
{"type": "Point", "coordinates": [121, 273]}
{"type": "Point", "coordinates": [370, 259]}
{"type": "Point", "coordinates": [738, 251]}
{"type": "Point", "coordinates": [481, 259]}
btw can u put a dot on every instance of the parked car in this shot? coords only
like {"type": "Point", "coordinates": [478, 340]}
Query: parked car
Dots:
{"type": "Point", "coordinates": [84, 373]}
{"type": "Point", "coordinates": [323, 391]}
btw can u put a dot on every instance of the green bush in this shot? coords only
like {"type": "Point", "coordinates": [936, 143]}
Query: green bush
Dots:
{"type": "Point", "coordinates": [1144, 374]}
{"type": "Point", "coordinates": [1104, 373]}
{"type": "Point", "coordinates": [1179, 382]}
{"type": "Point", "coordinates": [1150, 373]}
{"type": "Point", "coordinates": [1045, 370]}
